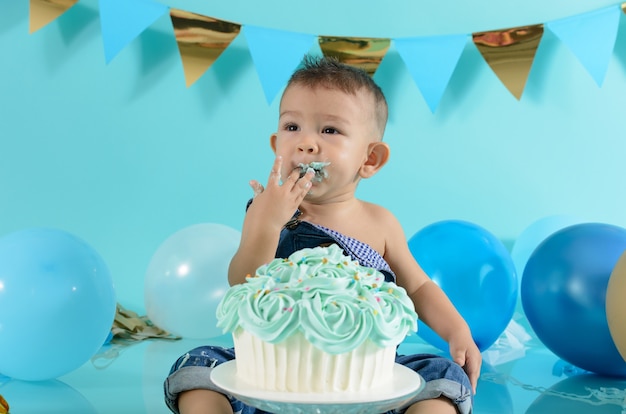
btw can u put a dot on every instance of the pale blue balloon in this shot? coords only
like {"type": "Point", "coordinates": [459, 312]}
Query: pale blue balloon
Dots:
{"type": "Point", "coordinates": [534, 234]}
{"type": "Point", "coordinates": [57, 303]}
{"type": "Point", "coordinates": [187, 278]}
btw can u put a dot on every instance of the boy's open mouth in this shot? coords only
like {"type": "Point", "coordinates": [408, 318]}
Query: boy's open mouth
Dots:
{"type": "Point", "coordinates": [318, 166]}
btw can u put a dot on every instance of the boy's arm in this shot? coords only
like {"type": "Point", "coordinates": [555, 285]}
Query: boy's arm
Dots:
{"type": "Point", "coordinates": [258, 244]}
{"type": "Point", "coordinates": [436, 310]}
{"type": "Point", "coordinates": [272, 207]}
{"type": "Point", "coordinates": [432, 305]}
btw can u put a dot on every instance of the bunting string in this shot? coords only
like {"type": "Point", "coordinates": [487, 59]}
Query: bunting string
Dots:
{"type": "Point", "coordinates": [430, 60]}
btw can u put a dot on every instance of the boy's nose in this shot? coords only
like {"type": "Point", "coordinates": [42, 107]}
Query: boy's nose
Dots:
{"type": "Point", "coordinates": [308, 146]}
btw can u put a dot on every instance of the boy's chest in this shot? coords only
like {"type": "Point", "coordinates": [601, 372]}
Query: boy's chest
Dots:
{"type": "Point", "coordinates": [370, 233]}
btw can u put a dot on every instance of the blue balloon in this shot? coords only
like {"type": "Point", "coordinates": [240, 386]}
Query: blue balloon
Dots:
{"type": "Point", "coordinates": [57, 303]}
{"type": "Point", "coordinates": [475, 270]}
{"type": "Point", "coordinates": [564, 295]}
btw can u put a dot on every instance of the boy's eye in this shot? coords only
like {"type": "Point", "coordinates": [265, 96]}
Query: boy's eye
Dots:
{"type": "Point", "coordinates": [330, 130]}
{"type": "Point", "coordinates": [291, 127]}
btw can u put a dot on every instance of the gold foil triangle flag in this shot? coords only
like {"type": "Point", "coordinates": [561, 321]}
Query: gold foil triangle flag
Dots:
{"type": "Point", "coordinates": [510, 54]}
{"type": "Point", "coordinates": [4, 406]}
{"type": "Point", "coordinates": [201, 40]}
{"type": "Point", "coordinates": [362, 52]}
{"type": "Point", "coordinates": [43, 12]}
{"type": "Point", "coordinates": [624, 7]}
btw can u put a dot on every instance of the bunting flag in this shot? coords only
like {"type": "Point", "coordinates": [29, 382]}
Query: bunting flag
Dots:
{"type": "Point", "coordinates": [510, 54]}
{"type": "Point", "coordinates": [431, 62]}
{"type": "Point", "coordinates": [591, 37]}
{"type": "Point", "coordinates": [123, 20]}
{"type": "Point", "coordinates": [363, 52]}
{"type": "Point", "coordinates": [43, 12]}
{"type": "Point", "coordinates": [276, 54]}
{"type": "Point", "coordinates": [201, 40]}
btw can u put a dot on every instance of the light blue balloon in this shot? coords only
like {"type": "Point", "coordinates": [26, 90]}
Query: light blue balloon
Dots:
{"type": "Point", "coordinates": [475, 270]}
{"type": "Point", "coordinates": [57, 303]}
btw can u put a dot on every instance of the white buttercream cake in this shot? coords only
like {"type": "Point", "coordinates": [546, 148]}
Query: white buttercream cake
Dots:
{"type": "Point", "coordinates": [316, 322]}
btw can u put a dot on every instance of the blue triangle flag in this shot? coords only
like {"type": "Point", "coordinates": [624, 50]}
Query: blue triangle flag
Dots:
{"type": "Point", "coordinates": [276, 54]}
{"type": "Point", "coordinates": [123, 20]}
{"type": "Point", "coordinates": [431, 62]}
{"type": "Point", "coordinates": [591, 37]}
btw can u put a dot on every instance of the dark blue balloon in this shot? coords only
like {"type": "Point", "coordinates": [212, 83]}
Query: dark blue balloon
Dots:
{"type": "Point", "coordinates": [477, 273]}
{"type": "Point", "coordinates": [563, 294]}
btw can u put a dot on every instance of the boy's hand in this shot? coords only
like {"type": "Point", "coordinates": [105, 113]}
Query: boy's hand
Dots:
{"type": "Point", "coordinates": [276, 203]}
{"type": "Point", "coordinates": [465, 353]}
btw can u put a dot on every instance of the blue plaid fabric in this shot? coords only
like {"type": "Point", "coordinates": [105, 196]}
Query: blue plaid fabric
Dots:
{"type": "Point", "coordinates": [358, 250]}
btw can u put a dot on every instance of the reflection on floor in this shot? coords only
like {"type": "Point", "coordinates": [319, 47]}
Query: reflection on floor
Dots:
{"type": "Point", "coordinates": [519, 376]}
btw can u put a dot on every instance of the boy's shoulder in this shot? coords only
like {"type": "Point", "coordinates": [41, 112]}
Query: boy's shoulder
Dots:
{"type": "Point", "coordinates": [378, 212]}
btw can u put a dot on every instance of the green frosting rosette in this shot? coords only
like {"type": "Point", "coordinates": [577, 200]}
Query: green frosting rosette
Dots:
{"type": "Point", "coordinates": [336, 303]}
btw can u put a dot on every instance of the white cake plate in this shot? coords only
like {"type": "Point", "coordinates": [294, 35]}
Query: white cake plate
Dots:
{"type": "Point", "coordinates": [401, 389]}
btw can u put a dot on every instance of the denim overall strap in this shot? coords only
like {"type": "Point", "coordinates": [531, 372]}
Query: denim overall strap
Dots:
{"type": "Point", "coordinates": [297, 235]}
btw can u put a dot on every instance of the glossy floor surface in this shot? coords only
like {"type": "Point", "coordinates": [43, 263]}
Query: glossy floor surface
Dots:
{"type": "Point", "coordinates": [519, 376]}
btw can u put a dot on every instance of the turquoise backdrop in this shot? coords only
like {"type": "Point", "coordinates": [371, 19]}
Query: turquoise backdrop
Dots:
{"type": "Point", "coordinates": [124, 154]}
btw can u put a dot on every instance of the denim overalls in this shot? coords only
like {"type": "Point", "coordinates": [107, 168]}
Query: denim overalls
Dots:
{"type": "Point", "coordinates": [442, 376]}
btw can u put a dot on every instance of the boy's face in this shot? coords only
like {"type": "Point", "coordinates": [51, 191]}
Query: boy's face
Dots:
{"type": "Point", "coordinates": [326, 125]}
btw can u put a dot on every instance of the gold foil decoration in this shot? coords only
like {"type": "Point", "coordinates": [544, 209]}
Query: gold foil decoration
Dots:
{"type": "Point", "coordinates": [4, 406]}
{"type": "Point", "coordinates": [362, 52]}
{"type": "Point", "coordinates": [43, 12]}
{"type": "Point", "coordinates": [624, 7]}
{"type": "Point", "coordinates": [201, 40]}
{"type": "Point", "coordinates": [510, 54]}
{"type": "Point", "coordinates": [616, 305]}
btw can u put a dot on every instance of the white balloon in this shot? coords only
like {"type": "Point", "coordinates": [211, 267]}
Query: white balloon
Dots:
{"type": "Point", "coordinates": [187, 277]}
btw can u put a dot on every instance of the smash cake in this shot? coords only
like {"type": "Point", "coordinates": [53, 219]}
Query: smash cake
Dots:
{"type": "Point", "coordinates": [316, 322]}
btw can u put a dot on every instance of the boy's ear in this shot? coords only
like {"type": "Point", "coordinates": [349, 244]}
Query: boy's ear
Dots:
{"type": "Point", "coordinates": [273, 142]}
{"type": "Point", "coordinates": [378, 155]}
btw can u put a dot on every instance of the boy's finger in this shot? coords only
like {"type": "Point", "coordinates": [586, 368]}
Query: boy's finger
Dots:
{"type": "Point", "coordinates": [275, 173]}
{"type": "Point", "coordinates": [257, 187]}
{"type": "Point", "coordinates": [458, 356]}
{"type": "Point", "coordinates": [473, 371]}
{"type": "Point", "coordinates": [306, 181]}
{"type": "Point", "coordinates": [295, 178]}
